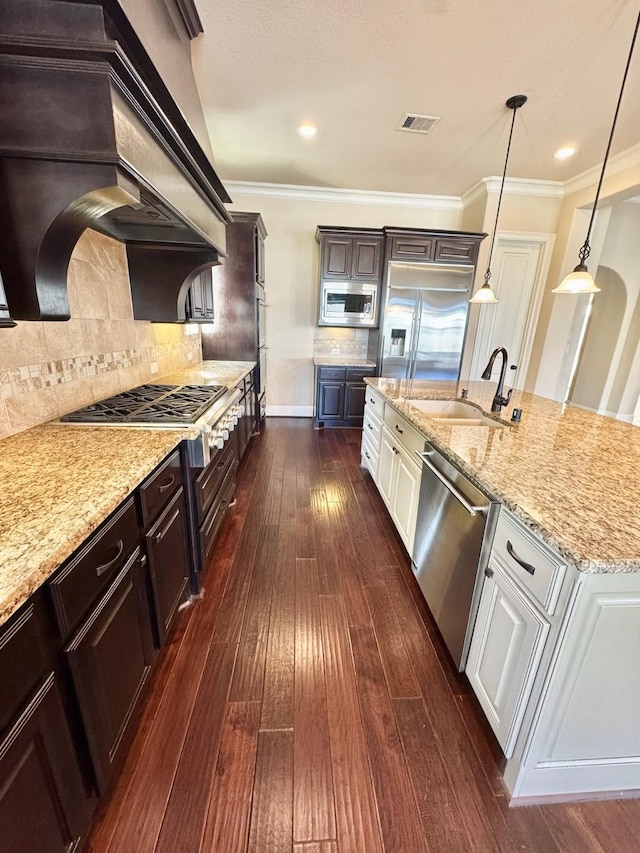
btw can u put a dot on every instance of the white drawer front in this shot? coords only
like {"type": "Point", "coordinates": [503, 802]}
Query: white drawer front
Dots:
{"type": "Point", "coordinates": [374, 401]}
{"type": "Point", "coordinates": [533, 565]}
{"type": "Point", "coordinates": [371, 428]}
{"type": "Point", "coordinates": [369, 456]}
{"type": "Point", "coordinates": [403, 432]}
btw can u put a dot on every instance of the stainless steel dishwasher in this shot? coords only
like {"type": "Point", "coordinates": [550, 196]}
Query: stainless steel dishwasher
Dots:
{"type": "Point", "coordinates": [454, 532]}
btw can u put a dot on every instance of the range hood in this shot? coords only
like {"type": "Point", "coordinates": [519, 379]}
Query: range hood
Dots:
{"type": "Point", "coordinates": [91, 137]}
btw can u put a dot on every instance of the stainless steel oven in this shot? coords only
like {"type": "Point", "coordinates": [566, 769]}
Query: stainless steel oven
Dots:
{"type": "Point", "coordinates": [348, 304]}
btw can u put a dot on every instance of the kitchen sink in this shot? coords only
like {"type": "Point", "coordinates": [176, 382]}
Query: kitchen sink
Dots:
{"type": "Point", "coordinates": [454, 413]}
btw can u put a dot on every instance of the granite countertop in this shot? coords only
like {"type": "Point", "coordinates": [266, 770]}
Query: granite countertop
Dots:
{"type": "Point", "coordinates": [341, 361]}
{"type": "Point", "coordinates": [572, 476]}
{"type": "Point", "coordinates": [61, 481]}
{"type": "Point", "coordinates": [210, 373]}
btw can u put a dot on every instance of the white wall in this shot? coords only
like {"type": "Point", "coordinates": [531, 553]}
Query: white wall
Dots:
{"type": "Point", "coordinates": [292, 273]}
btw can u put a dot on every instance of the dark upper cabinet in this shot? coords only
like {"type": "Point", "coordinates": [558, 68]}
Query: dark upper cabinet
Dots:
{"type": "Point", "coordinates": [415, 244]}
{"type": "Point", "coordinates": [238, 333]}
{"type": "Point", "coordinates": [349, 254]}
{"type": "Point", "coordinates": [200, 305]}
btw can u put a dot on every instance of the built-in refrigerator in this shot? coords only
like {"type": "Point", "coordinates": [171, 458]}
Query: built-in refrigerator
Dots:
{"type": "Point", "coordinates": [425, 320]}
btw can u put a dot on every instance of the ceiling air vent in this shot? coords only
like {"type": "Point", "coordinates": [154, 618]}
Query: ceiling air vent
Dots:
{"type": "Point", "coordinates": [417, 123]}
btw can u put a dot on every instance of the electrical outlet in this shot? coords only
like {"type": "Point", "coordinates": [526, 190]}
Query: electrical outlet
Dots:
{"type": "Point", "coordinates": [189, 356]}
{"type": "Point", "coordinates": [335, 351]}
{"type": "Point", "coordinates": [153, 367]}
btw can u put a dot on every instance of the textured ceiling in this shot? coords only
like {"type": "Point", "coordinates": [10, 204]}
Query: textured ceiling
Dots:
{"type": "Point", "coordinates": [355, 67]}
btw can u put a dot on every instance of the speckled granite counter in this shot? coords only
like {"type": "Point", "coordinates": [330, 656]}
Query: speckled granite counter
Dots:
{"type": "Point", "coordinates": [210, 373]}
{"type": "Point", "coordinates": [341, 361]}
{"type": "Point", "coordinates": [572, 476]}
{"type": "Point", "coordinates": [58, 484]}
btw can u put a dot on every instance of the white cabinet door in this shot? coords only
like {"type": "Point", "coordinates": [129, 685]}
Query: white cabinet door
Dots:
{"type": "Point", "coordinates": [386, 467]}
{"type": "Point", "coordinates": [404, 503]}
{"type": "Point", "coordinates": [507, 644]}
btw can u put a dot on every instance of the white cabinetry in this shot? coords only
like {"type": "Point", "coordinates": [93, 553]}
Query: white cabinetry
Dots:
{"type": "Point", "coordinates": [505, 652]}
{"type": "Point", "coordinates": [520, 592]}
{"type": "Point", "coordinates": [388, 449]}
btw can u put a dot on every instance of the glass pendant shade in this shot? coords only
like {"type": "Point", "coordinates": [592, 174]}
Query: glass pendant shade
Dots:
{"type": "Point", "coordinates": [578, 281]}
{"type": "Point", "coordinates": [484, 295]}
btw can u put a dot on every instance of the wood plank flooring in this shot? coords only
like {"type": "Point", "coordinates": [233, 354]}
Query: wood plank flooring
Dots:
{"type": "Point", "coordinates": [306, 704]}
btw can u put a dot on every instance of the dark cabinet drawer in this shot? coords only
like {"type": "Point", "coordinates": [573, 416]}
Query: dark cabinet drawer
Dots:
{"type": "Point", "coordinates": [209, 480]}
{"type": "Point", "coordinates": [82, 579]}
{"type": "Point", "coordinates": [23, 661]}
{"type": "Point", "coordinates": [357, 374]}
{"type": "Point", "coordinates": [461, 250]}
{"type": "Point", "coordinates": [211, 526]}
{"type": "Point", "coordinates": [158, 489]}
{"type": "Point", "coordinates": [334, 373]}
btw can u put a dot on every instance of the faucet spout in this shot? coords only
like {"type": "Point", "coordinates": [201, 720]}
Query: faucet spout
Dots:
{"type": "Point", "coordinates": [499, 399]}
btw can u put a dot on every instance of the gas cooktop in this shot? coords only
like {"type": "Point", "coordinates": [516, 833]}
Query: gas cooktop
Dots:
{"type": "Point", "coordinates": [161, 404]}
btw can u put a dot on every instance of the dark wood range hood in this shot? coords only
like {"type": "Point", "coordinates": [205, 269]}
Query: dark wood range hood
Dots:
{"type": "Point", "coordinates": [91, 137]}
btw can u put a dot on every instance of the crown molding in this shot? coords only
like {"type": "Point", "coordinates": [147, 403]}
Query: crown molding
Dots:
{"type": "Point", "coordinates": [343, 196]}
{"type": "Point", "coordinates": [618, 163]}
{"type": "Point", "coordinates": [525, 186]}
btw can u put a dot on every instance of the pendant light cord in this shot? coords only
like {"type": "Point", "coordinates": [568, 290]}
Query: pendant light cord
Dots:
{"type": "Point", "coordinates": [487, 275]}
{"type": "Point", "coordinates": [586, 248]}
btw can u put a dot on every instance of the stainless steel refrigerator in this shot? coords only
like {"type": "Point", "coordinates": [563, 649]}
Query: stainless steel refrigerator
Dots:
{"type": "Point", "coordinates": [425, 320]}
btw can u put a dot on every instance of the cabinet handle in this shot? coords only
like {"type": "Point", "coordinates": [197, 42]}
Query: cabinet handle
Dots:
{"type": "Point", "coordinates": [143, 561]}
{"type": "Point", "coordinates": [100, 570]}
{"type": "Point", "coordinates": [168, 484]}
{"type": "Point", "coordinates": [367, 455]}
{"type": "Point", "coordinates": [526, 566]}
{"type": "Point", "coordinates": [488, 573]}
{"type": "Point", "coordinates": [401, 431]}
{"type": "Point", "coordinates": [370, 427]}
{"type": "Point", "coordinates": [159, 536]}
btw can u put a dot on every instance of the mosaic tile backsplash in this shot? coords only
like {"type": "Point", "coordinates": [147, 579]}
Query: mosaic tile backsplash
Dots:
{"type": "Point", "coordinates": [330, 341]}
{"type": "Point", "coordinates": [48, 369]}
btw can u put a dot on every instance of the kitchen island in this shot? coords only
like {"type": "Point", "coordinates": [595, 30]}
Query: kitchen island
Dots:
{"type": "Point", "coordinates": [568, 482]}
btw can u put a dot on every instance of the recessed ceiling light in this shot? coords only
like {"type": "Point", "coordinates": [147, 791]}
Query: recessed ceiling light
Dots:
{"type": "Point", "coordinates": [307, 131]}
{"type": "Point", "coordinates": [564, 153]}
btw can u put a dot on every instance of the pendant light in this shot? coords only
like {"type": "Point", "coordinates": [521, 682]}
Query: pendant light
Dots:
{"type": "Point", "coordinates": [485, 295]}
{"type": "Point", "coordinates": [581, 280]}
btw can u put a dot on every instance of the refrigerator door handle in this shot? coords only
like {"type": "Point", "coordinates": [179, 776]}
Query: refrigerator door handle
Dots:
{"type": "Point", "coordinates": [415, 336]}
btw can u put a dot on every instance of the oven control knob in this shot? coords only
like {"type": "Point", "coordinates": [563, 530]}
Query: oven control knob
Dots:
{"type": "Point", "coordinates": [216, 440]}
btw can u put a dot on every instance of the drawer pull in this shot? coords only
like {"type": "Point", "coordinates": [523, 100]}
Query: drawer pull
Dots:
{"type": "Point", "coordinates": [526, 566]}
{"type": "Point", "coordinates": [168, 484]}
{"type": "Point", "coordinates": [100, 570]}
{"type": "Point", "coordinates": [488, 573]}
{"type": "Point", "coordinates": [367, 455]}
{"type": "Point", "coordinates": [401, 431]}
{"type": "Point", "coordinates": [370, 427]}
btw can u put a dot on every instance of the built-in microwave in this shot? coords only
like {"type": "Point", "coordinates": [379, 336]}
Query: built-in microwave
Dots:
{"type": "Point", "coordinates": [348, 304]}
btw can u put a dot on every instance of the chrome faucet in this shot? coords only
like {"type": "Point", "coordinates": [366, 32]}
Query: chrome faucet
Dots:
{"type": "Point", "coordinates": [499, 400]}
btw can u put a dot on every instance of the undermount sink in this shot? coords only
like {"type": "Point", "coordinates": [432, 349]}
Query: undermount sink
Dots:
{"type": "Point", "coordinates": [454, 413]}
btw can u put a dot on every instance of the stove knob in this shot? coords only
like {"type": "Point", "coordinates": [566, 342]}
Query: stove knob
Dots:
{"type": "Point", "coordinates": [216, 440]}
{"type": "Point", "coordinates": [225, 434]}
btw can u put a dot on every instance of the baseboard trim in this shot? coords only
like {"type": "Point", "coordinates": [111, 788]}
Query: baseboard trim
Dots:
{"type": "Point", "coordinates": [289, 411]}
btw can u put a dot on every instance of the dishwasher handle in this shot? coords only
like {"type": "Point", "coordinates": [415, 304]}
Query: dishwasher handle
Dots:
{"type": "Point", "coordinates": [472, 510]}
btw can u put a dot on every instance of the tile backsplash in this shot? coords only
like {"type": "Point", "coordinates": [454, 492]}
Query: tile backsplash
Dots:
{"type": "Point", "coordinates": [47, 368]}
{"type": "Point", "coordinates": [331, 341]}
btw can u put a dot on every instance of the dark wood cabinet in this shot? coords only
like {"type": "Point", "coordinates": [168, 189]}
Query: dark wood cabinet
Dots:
{"type": "Point", "coordinates": [168, 563]}
{"type": "Point", "coordinates": [239, 331]}
{"type": "Point", "coordinates": [43, 805]}
{"type": "Point", "coordinates": [350, 254]}
{"type": "Point", "coordinates": [340, 395]}
{"type": "Point", "coordinates": [200, 305]}
{"type": "Point", "coordinates": [430, 246]}
{"type": "Point", "coordinates": [110, 657]}
{"type": "Point", "coordinates": [5, 316]}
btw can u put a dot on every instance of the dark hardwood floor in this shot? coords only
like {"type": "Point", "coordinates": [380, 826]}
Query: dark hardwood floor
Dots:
{"type": "Point", "coordinates": [306, 703]}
